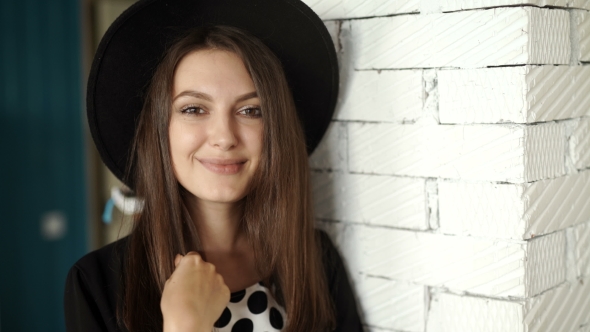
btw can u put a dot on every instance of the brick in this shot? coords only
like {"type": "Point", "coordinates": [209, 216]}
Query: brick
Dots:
{"type": "Point", "coordinates": [482, 266]}
{"type": "Point", "coordinates": [342, 9]}
{"type": "Point", "coordinates": [333, 28]}
{"type": "Point", "coordinates": [337, 9]}
{"type": "Point", "coordinates": [371, 199]}
{"type": "Point", "coordinates": [510, 153]}
{"type": "Point", "coordinates": [581, 19]}
{"type": "Point", "coordinates": [452, 5]}
{"type": "Point", "coordinates": [391, 304]}
{"type": "Point", "coordinates": [581, 249]}
{"type": "Point", "coordinates": [515, 211]}
{"type": "Point", "coordinates": [524, 94]}
{"type": "Point", "coordinates": [331, 153]}
{"type": "Point", "coordinates": [452, 313]}
{"type": "Point", "coordinates": [582, 4]}
{"type": "Point", "coordinates": [387, 96]}
{"type": "Point", "coordinates": [579, 144]}
{"type": "Point", "coordinates": [564, 308]}
{"type": "Point", "coordinates": [545, 264]}
{"type": "Point", "coordinates": [521, 35]}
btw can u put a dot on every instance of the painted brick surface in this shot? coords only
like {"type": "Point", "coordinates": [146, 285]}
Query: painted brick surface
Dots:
{"type": "Point", "coordinates": [456, 200]}
{"type": "Point", "coordinates": [564, 308]}
{"type": "Point", "coordinates": [579, 144]}
{"type": "Point", "coordinates": [451, 5]}
{"type": "Point", "coordinates": [545, 264]}
{"type": "Point", "coordinates": [516, 211]}
{"type": "Point", "coordinates": [582, 4]}
{"type": "Point", "coordinates": [387, 96]}
{"type": "Point", "coordinates": [581, 249]}
{"type": "Point", "coordinates": [331, 153]}
{"type": "Point", "coordinates": [514, 94]}
{"type": "Point", "coordinates": [335, 9]}
{"type": "Point", "coordinates": [511, 153]}
{"type": "Point", "coordinates": [476, 265]}
{"type": "Point", "coordinates": [371, 199]}
{"type": "Point", "coordinates": [340, 9]}
{"type": "Point", "coordinates": [519, 35]}
{"type": "Point", "coordinates": [582, 21]}
{"type": "Point", "coordinates": [455, 313]}
{"type": "Point", "coordinates": [392, 305]}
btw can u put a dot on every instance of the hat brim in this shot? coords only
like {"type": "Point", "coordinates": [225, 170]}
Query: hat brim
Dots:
{"type": "Point", "coordinates": [135, 43]}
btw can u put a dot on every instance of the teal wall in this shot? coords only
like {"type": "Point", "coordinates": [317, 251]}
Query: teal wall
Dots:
{"type": "Point", "coordinates": [42, 158]}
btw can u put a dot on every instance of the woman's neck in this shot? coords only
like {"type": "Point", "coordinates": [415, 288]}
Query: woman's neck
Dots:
{"type": "Point", "coordinates": [218, 225]}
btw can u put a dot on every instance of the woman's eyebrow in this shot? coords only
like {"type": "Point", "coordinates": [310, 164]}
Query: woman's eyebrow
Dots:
{"type": "Point", "coordinates": [204, 96]}
{"type": "Point", "coordinates": [247, 96]}
{"type": "Point", "coordinates": [192, 93]}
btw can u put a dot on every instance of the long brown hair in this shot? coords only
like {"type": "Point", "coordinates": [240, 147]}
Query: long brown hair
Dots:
{"type": "Point", "coordinates": [278, 218]}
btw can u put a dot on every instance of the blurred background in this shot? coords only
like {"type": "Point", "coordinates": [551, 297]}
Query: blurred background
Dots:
{"type": "Point", "coordinates": [53, 187]}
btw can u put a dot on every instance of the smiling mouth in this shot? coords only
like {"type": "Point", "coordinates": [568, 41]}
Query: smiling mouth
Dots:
{"type": "Point", "coordinates": [223, 166]}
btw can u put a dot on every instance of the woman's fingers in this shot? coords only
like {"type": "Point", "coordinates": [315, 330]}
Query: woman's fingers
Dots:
{"type": "Point", "coordinates": [194, 295]}
{"type": "Point", "coordinates": [177, 259]}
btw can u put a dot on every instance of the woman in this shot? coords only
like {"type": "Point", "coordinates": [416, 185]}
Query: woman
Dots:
{"type": "Point", "coordinates": [226, 238]}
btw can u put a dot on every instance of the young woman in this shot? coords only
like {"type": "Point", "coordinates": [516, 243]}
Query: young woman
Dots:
{"type": "Point", "coordinates": [226, 236]}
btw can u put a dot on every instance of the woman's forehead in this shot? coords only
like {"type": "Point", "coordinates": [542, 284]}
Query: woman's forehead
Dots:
{"type": "Point", "coordinates": [209, 74]}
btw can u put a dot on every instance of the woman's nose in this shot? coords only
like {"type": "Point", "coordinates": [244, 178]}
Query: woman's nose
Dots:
{"type": "Point", "coordinates": [222, 132]}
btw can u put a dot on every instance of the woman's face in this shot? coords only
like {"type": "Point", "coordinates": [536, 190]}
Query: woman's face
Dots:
{"type": "Point", "coordinates": [215, 127]}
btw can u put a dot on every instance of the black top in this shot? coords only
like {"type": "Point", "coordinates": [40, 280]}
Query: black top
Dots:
{"type": "Point", "coordinates": [92, 289]}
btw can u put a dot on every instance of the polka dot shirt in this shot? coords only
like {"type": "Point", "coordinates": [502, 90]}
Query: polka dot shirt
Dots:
{"type": "Point", "coordinates": [251, 309]}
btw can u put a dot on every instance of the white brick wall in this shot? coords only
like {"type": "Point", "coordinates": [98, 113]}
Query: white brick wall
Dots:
{"type": "Point", "coordinates": [518, 35]}
{"type": "Point", "coordinates": [523, 94]}
{"type": "Point", "coordinates": [564, 308]}
{"type": "Point", "coordinates": [514, 211]}
{"type": "Point", "coordinates": [329, 9]}
{"type": "Point", "coordinates": [511, 153]}
{"type": "Point", "coordinates": [579, 144]}
{"type": "Point", "coordinates": [455, 177]}
{"type": "Point", "coordinates": [476, 265]}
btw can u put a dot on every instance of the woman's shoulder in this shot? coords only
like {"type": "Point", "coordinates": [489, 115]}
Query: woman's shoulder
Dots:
{"type": "Point", "coordinates": [109, 256]}
{"type": "Point", "coordinates": [92, 289]}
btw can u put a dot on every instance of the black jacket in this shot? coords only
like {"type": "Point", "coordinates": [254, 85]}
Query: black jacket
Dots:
{"type": "Point", "coordinates": [92, 289]}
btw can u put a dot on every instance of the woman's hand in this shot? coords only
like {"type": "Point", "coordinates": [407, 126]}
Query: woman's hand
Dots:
{"type": "Point", "coordinates": [194, 296]}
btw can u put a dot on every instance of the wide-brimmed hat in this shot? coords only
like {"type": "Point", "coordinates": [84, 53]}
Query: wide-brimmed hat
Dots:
{"type": "Point", "coordinates": [132, 47]}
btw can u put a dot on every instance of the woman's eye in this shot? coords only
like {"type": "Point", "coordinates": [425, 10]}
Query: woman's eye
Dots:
{"type": "Point", "coordinates": [252, 112]}
{"type": "Point", "coordinates": [192, 110]}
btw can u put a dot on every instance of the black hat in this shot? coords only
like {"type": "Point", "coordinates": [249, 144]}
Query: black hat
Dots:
{"type": "Point", "coordinates": [135, 43]}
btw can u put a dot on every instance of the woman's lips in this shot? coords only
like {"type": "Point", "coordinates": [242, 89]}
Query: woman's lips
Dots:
{"type": "Point", "coordinates": [223, 166]}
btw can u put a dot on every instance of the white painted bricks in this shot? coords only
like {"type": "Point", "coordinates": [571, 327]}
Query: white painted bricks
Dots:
{"type": "Point", "coordinates": [582, 21]}
{"type": "Point", "coordinates": [579, 144]}
{"type": "Point", "coordinates": [371, 199]}
{"type": "Point", "coordinates": [519, 35]}
{"type": "Point", "coordinates": [475, 265]}
{"type": "Point", "coordinates": [511, 153]}
{"type": "Point", "coordinates": [454, 177]}
{"type": "Point", "coordinates": [516, 211]}
{"type": "Point", "coordinates": [564, 308]}
{"type": "Point", "coordinates": [333, 9]}
{"type": "Point", "coordinates": [386, 96]}
{"type": "Point", "coordinates": [332, 152]}
{"type": "Point", "coordinates": [392, 305]}
{"type": "Point", "coordinates": [522, 94]}
{"type": "Point", "coordinates": [455, 313]}
{"type": "Point", "coordinates": [580, 245]}
{"type": "Point", "coordinates": [339, 9]}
